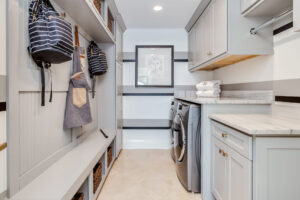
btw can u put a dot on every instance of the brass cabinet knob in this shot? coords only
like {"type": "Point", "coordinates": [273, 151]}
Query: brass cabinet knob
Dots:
{"type": "Point", "coordinates": [225, 154]}
{"type": "Point", "coordinates": [224, 135]}
{"type": "Point", "coordinates": [221, 151]}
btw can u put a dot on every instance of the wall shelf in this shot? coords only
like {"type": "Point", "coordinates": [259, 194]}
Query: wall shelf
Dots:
{"type": "Point", "coordinates": [88, 18]}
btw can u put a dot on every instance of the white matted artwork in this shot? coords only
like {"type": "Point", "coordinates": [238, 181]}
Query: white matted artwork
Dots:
{"type": "Point", "coordinates": [154, 66]}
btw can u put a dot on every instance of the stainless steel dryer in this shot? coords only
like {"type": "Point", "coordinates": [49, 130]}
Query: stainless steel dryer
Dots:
{"type": "Point", "coordinates": [187, 135]}
{"type": "Point", "coordinates": [173, 112]}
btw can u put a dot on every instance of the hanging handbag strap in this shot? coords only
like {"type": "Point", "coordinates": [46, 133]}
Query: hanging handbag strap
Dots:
{"type": "Point", "coordinates": [93, 87]}
{"type": "Point", "coordinates": [42, 67]}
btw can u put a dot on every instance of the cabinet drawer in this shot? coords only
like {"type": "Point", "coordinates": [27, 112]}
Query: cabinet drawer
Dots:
{"type": "Point", "coordinates": [234, 139]}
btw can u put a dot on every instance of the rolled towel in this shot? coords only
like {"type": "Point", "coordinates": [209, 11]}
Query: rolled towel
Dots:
{"type": "Point", "coordinates": [208, 93]}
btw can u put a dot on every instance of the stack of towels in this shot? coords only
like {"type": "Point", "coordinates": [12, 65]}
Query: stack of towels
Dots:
{"type": "Point", "coordinates": [209, 89]}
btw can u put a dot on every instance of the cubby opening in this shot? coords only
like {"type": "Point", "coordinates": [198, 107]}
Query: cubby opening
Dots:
{"type": "Point", "coordinates": [98, 174]}
{"type": "Point", "coordinates": [83, 192]}
{"type": "Point", "coordinates": [110, 154]}
{"type": "Point", "coordinates": [100, 6]}
{"type": "Point", "coordinates": [110, 22]}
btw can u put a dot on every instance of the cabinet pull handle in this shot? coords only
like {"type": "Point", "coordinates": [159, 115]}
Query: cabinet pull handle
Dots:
{"type": "Point", "coordinates": [225, 154]}
{"type": "Point", "coordinates": [221, 151]}
{"type": "Point", "coordinates": [224, 135]}
{"type": "Point", "coordinates": [3, 146]}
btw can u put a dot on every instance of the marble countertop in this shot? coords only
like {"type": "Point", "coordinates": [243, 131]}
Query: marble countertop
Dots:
{"type": "Point", "coordinates": [224, 100]}
{"type": "Point", "coordinates": [260, 125]}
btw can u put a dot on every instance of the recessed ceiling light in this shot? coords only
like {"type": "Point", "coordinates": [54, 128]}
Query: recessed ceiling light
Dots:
{"type": "Point", "coordinates": [157, 8]}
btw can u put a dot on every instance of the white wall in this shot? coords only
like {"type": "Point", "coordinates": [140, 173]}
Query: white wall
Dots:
{"type": "Point", "coordinates": [154, 107]}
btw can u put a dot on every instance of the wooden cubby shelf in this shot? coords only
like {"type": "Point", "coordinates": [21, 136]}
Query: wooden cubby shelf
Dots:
{"type": "Point", "coordinates": [85, 13]}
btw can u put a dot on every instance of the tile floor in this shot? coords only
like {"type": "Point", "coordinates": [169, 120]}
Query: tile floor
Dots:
{"type": "Point", "coordinates": [144, 175]}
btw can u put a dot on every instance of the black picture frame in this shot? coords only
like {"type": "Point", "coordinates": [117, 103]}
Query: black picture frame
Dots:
{"type": "Point", "coordinates": [171, 47]}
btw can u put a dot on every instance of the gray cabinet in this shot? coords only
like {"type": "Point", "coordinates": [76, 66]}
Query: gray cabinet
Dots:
{"type": "Point", "coordinates": [239, 175]}
{"type": "Point", "coordinates": [296, 15]}
{"type": "Point", "coordinates": [222, 36]}
{"type": "Point", "coordinates": [267, 8]}
{"type": "Point", "coordinates": [247, 4]}
{"type": "Point", "coordinates": [119, 88]}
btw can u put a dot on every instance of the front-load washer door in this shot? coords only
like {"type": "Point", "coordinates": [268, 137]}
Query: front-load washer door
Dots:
{"type": "Point", "coordinates": [181, 150]}
{"type": "Point", "coordinates": [181, 140]}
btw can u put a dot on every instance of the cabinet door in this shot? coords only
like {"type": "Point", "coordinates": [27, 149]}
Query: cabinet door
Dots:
{"type": "Point", "coordinates": [219, 27]}
{"type": "Point", "coordinates": [119, 107]}
{"type": "Point", "coordinates": [296, 15]}
{"type": "Point", "coordinates": [206, 27]}
{"type": "Point", "coordinates": [192, 47]}
{"type": "Point", "coordinates": [199, 40]}
{"type": "Point", "coordinates": [119, 44]}
{"type": "Point", "coordinates": [247, 4]}
{"type": "Point", "coordinates": [219, 170]}
{"type": "Point", "coordinates": [239, 176]}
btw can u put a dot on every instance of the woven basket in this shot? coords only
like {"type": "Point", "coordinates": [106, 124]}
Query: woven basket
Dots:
{"type": "Point", "coordinates": [109, 156]}
{"type": "Point", "coordinates": [110, 21]}
{"type": "Point", "coordinates": [78, 196]}
{"type": "Point", "coordinates": [97, 176]}
{"type": "Point", "coordinates": [98, 5]}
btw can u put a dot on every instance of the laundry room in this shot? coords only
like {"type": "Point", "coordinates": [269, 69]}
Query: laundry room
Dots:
{"type": "Point", "coordinates": [149, 99]}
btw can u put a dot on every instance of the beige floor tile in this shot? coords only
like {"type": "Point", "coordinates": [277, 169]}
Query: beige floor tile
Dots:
{"type": "Point", "coordinates": [144, 175]}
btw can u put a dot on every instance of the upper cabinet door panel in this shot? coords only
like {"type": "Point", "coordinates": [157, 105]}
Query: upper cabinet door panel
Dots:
{"type": "Point", "coordinates": [192, 47]}
{"type": "Point", "coordinates": [207, 33]}
{"type": "Point", "coordinates": [219, 26]}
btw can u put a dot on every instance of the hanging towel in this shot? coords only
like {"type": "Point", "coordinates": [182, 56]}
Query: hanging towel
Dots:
{"type": "Point", "coordinates": [78, 112]}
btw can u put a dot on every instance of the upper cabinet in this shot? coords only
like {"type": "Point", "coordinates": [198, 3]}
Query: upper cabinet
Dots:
{"type": "Point", "coordinates": [296, 15]}
{"type": "Point", "coordinates": [270, 8]}
{"type": "Point", "coordinates": [221, 36]}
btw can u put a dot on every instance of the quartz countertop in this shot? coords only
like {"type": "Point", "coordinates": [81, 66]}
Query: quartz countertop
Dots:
{"type": "Point", "coordinates": [261, 125]}
{"type": "Point", "coordinates": [224, 100]}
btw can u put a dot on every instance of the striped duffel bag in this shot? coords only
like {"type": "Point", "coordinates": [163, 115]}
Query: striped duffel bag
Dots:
{"type": "Point", "coordinates": [50, 35]}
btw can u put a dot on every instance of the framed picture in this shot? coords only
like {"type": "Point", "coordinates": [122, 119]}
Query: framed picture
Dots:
{"type": "Point", "coordinates": [154, 66]}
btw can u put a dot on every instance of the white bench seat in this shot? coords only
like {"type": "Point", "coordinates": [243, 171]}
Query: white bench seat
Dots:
{"type": "Point", "coordinates": [63, 179]}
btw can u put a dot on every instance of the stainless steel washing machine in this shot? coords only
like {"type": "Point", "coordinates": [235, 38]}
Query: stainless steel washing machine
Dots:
{"type": "Point", "coordinates": [187, 142]}
{"type": "Point", "coordinates": [173, 112]}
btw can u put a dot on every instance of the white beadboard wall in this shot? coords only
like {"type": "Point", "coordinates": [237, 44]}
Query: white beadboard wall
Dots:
{"type": "Point", "coordinates": [41, 139]}
{"type": "Point", "coordinates": [153, 107]}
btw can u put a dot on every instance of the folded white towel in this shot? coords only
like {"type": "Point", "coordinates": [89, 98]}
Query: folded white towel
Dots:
{"type": "Point", "coordinates": [208, 93]}
{"type": "Point", "coordinates": [213, 83]}
{"type": "Point", "coordinates": [204, 88]}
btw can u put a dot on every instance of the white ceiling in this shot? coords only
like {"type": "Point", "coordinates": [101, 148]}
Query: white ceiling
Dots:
{"type": "Point", "coordinates": [140, 13]}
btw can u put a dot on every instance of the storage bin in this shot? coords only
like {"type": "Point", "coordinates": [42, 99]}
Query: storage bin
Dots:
{"type": "Point", "coordinates": [97, 176]}
{"type": "Point", "coordinates": [110, 22]}
{"type": "Point", "coordinates": [109, 155]}
{"type": "Point", "coordinates": [98, 5]}
{"type": "Point", "coordinates": [78, 196]}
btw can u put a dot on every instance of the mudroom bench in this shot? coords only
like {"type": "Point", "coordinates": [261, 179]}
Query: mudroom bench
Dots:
{"type": "Point", "coordinates": [80, 173]}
